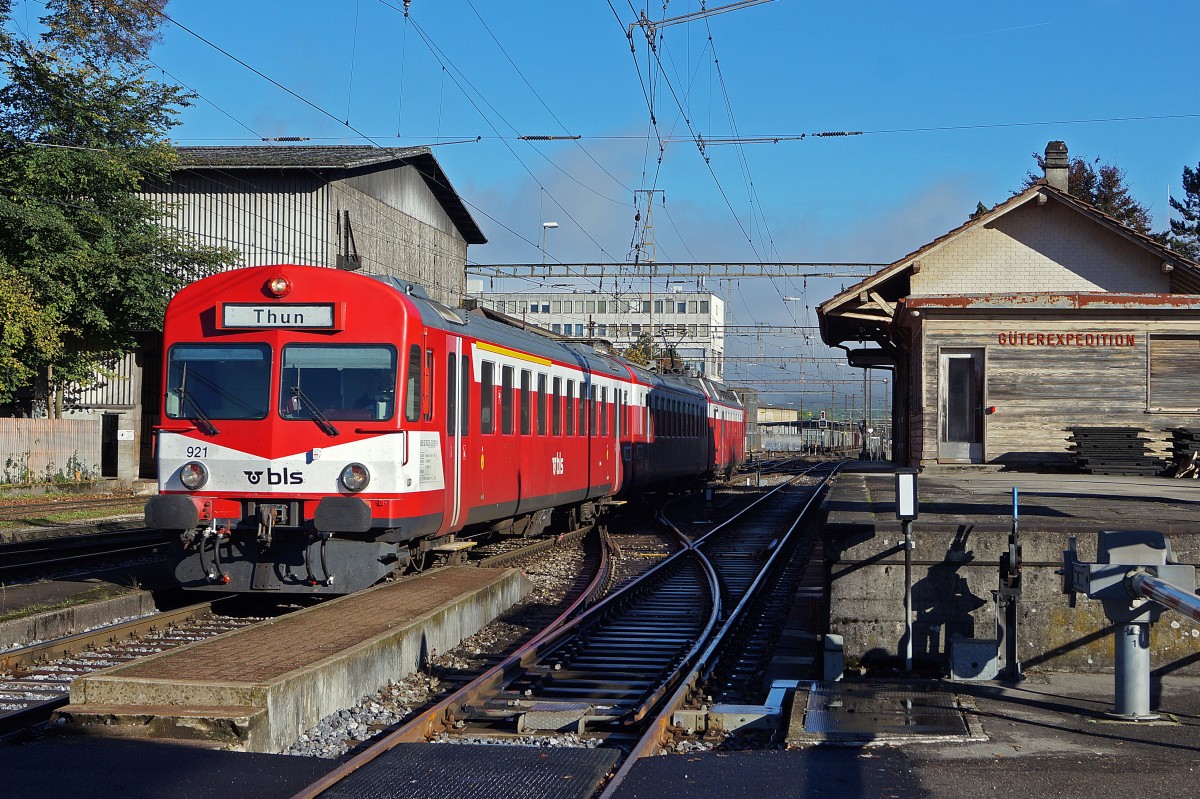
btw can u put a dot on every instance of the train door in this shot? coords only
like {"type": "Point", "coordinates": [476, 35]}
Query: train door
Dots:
{"type": "Point", "coordinates": [458, 386]}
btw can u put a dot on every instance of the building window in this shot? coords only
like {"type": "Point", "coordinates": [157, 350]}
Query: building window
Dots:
{"type": "Point", "coordinates": [636, 329]}
{"type": "Point", "coordinates": [499, 306]}
{"type": "Point", "coordinates": [601, 330]}
{"type": "Point", "coordinates": [1174, 381]}
{"type": "Point", "coordinates": [568, 306]}
{"type": "Point", "coordinates": [691, 306]}
{"type": "Point", "coordinates": [691, 330]}
{"type": "Point", "coordinates": [579, 330]}
{"type": "Point", "coordinates": [658, 306]}
{"type": "Point", "coordinates": [681, 307]}
{"type": "Point", "coordinates": [591, 306]}
{"type": "Point", "coordinates": [601, 305]}
{"type": "Point", "coordinates": [645, 306]}
{"type": "Point", "coordinates": [557, 328]}
{"type": "Point", "coordinates": [545, 307]}
{"type": "Point", "coordinates": [557, 306]}
{"type": "Point", "coordinates": [703, 306]}
{"type": "Point", "coordinates": [703, 331]}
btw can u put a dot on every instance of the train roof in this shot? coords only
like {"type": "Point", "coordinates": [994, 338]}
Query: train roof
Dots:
{"type": "Point", "coordinates": [443, 317]}
{"type": "Point", "coordinates": [480, 325]}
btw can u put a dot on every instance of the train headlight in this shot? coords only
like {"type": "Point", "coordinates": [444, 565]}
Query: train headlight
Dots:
{"type": "Point", "coordinates": [193, 475]}
{"type": "Point", "coordinates": [355, 477]}
{"type": "Point", "coordinates": [279, 285]}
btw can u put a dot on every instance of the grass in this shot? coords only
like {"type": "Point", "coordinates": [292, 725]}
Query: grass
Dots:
{"type": "Point", "coordinates": [51, 519]}
{"type": "Point", "coordinates": [97, 594]}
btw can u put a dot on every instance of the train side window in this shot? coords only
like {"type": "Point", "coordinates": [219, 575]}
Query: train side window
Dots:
{"type": "Point", "coordinates": [541, 405]}
{"type": "Point", "coordinates": [570, 403]}
{"type": "Point", "coordinates": [526, 380]}
{"type": "Point", "coordinates": [582, 409]}
{"type": "Point", "coordinates": [427, 386]}
{"type": "Point", "coordinates": [506, 400]}
{"type": "Point", "coordinates": [604, 411]}
{"type": "Point", "coordinates": [592, 412]}
{"type": "Point", "coordinates": [487, 396]}
{"type": "Point", "coordinates": [556, 408]}
{"type": "Point", "coordinates": [466, 394]}
{"type": "Point", "coordinates": [451, 392]}
{"type": "Point", "coordinates": [412, 386]}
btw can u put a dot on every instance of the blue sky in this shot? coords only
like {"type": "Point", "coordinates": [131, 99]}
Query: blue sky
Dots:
{"type": "Point", "coordinates": [952, 98]}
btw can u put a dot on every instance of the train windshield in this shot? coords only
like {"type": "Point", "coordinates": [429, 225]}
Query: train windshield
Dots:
{"type": "Point", "coordinates": [229, 381]}
{"type": "Point", "coordinates": [338, 381]}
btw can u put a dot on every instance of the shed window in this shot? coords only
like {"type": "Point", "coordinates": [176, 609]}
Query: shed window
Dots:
{"type": "Point", "coordinates": [1174, 378]}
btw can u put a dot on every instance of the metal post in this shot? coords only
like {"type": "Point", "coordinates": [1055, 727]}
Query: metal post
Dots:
{"type": "Point", "coordinates": [906, 525]}
{"type": "Point", "coordinates": [1131, 672]}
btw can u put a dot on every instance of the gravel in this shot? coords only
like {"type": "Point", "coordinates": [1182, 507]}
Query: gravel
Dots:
{"type": "Point", "coordinates": [553, 575]}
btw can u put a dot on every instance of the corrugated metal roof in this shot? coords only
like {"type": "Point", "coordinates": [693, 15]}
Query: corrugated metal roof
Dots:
{"type": "Point", "coordinates": [344, 158]}
{"type": "Point", "coordinates": [295, 157]}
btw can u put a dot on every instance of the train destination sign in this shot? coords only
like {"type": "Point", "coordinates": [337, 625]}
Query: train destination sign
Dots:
{"type": "Point", "coordinates": [1016, 339]}
{"type": "Point", "coordinates": [277, 315]}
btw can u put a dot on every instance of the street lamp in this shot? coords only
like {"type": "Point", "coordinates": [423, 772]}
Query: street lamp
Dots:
{"type": "Point", "coordinates": [546, 226]}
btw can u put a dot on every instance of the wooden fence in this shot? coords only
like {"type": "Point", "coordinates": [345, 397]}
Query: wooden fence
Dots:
{"type": "Point", "coordinates": [45, 450]}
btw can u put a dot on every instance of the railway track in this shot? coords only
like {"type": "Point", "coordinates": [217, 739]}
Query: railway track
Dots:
{"type": "Point", "coordinates": [36, 680]}
{"type": "Point", "coordinates": [619, 669]}
{"type": "Point", "coordinates": [20, 559]}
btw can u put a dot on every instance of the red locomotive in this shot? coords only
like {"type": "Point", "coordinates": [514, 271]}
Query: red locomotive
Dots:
{"type": "Point", "coordinates": [323, 429]}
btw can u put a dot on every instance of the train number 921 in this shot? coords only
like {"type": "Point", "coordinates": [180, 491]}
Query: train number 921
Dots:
{"type": "Point", "coordinates": [197, 452]}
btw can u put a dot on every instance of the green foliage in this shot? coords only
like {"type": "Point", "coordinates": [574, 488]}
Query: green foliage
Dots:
{"type": "Point", "coordinates": [1184, 236]}
{"type": "Point", "coordinates": [641, 351]}
{"type": "Point", "coordinates": [81, 128]}
{"type": "Point", "coordinates": [1103, 186]}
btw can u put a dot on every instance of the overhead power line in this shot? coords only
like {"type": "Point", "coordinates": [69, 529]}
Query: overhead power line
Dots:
{"type": "Point", "coordinates": [676, 269]}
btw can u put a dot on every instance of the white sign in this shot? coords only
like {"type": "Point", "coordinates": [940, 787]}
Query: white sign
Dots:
{"type": "Point", "coordinates": [277, 316]}
{"type": "Point", "coordinates": [124, 435]}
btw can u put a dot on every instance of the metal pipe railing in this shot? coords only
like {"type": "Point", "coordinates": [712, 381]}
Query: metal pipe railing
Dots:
{"type": "Point", "coordinates": [1146, 585]}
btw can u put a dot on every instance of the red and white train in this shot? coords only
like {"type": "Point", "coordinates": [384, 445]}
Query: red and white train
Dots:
{"type": "Point", "coordinates": [323, 429]}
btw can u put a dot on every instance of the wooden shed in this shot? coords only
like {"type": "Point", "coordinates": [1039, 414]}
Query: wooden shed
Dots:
{"type": "Point", "coordinates": [1030, 325]}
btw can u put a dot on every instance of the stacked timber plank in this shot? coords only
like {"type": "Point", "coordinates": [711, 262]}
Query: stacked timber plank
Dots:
{"type": "Point", "coordinates": [1185, 451]}
{"type": "Point", "coordinates": [1114, 450]}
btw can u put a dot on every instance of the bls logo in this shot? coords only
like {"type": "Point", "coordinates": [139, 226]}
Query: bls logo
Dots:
{"type": "Point", "coordinates": [275, 478]}
{"type": "Point", "coordinates": [557, 464]}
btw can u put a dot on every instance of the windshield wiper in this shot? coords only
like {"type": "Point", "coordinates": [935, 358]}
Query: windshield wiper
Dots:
{"type": "Point", "coordinates": [318, 417]}
{"type": "Point", "coordinates": [198, 415]}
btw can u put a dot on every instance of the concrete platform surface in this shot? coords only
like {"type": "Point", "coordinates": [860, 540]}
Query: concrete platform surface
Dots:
{"type": "Point", "coordinates": [1046, 737]}
{"type": "Point", "coordinates": [297, 668]}
{"type": "Point", "coordinates": [93, 767]}
{"type": "Point", "coordinates": [1050, 502]}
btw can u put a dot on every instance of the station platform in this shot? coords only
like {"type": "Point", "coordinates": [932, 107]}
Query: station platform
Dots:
{"type": "Point", "coordinates": [256, 689]}
{"type": "Point", "coordinates": [959, 537]}
{"type": "Point", "coordinates": [1046, 736]}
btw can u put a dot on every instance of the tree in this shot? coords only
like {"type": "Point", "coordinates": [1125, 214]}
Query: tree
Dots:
{"type": "Point", "coordinates": [641, 352]}
{"type": "Point", "coordinates": [1185, 233]}
{"type": "Point", "coordinates": [81, 128]}
{"type": "Point", "coordinates": [1102, 186]}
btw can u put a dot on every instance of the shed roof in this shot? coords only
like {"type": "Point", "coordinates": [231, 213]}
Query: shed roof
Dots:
{"type": "Point", "coordinates": [340, 158]}
{"type": "Point", "coordinates": [865, 310]}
